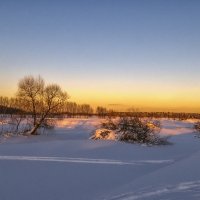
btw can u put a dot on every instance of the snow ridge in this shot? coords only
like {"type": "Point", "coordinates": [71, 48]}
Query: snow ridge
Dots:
{"type": "Point", "coordinates": [84, 160]}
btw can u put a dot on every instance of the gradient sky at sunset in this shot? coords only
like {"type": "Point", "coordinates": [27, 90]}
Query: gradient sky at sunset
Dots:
{"type": "Point", "coordinates": [115, 53]}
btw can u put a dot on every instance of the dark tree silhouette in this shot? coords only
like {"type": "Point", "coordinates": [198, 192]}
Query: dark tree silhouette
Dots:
{"type": "Point", "coordinates": [41, 100]}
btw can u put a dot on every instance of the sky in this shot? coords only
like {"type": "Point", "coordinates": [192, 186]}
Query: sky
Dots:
{"type": "Point", "coordinates": [115, 53]}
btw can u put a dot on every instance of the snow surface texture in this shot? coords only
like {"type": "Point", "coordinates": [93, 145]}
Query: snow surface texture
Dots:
{"type": "Point", "coordinates": [65, 164]}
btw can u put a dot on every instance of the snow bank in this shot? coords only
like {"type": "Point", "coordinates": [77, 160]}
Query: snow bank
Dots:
{"type": "Point", "coordinates": [75, 122]}
{"type": "Point", "coordinates": [104, 134]}
{"type": "Point", "coordinates": [174, 127]}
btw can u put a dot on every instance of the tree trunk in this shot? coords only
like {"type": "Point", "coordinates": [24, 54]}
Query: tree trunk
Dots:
{"type": "Point", "coordinates": [37, 125]}
{"type": "Point", "coordinates": [34, 129]}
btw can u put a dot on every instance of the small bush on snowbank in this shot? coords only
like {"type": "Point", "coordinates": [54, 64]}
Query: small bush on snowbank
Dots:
{"type": "Point", "coordinates": [133, 129]}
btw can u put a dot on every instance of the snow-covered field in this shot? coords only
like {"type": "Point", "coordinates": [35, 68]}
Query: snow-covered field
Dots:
{"type": "Point", "coordinates": [64, 164]}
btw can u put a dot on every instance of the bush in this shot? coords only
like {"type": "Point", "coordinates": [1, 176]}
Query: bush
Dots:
{"type": "Point", "coordinates": [134, 129]}
{"type": "Point", "coordinates": [109, 124]}
{"type": "Point", "coordinates": [197, 128]}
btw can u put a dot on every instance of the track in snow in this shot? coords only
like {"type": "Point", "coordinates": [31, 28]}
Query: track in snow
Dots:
{"type": "Point", "coordinates": [157, 193]}
{"type": "Point", "coordinates": [84, 160]}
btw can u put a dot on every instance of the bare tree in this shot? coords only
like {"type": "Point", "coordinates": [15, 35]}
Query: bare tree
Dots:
{"type": "Point", "coordinates": [17, 115]}
{"type": "Point", "coordinates": [11, 115]}
{"type": "Point", "coordinates": [30, 90]}
{"type": "Point", "coordinates": [40, 100]}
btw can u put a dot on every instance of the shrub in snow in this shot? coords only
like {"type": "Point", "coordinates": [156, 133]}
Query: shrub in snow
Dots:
{"type": "Point", "coordinates": [109, 124]}
{"type": "Point", "coordinates": [135, 129]}
{"type": "Point", "coordinates": [197, 128]}
{"type": "Point", "coordinates": [104, 134]}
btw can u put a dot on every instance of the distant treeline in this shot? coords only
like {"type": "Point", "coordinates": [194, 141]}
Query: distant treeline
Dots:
{"type": "Point", "coordinates": [169, 115]}
{"type": "Point", "coordinates": [13, 106]}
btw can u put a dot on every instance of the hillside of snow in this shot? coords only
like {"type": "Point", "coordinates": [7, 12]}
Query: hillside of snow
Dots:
{"type": "Point", "coordinates": [64, 163]}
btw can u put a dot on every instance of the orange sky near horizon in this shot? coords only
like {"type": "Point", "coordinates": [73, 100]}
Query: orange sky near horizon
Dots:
{"type": "Point", "coordinates": [152, 98]}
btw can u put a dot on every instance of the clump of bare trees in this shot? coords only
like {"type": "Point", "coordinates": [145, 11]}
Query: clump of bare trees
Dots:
{"type": "Point", "coordinates": [40, 100]}
{"type": "Point", "coordinates": [136, 130]}
{"type": "Point", "coordinates": [101, 111]}
{"type": "Point", "coordinates": [73, 109]}
{"type": "Point", "coordinates": [35, 106]}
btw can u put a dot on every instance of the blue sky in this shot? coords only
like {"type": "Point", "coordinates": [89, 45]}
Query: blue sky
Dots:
{"type": "Point", "coordinates": [142, 53]}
